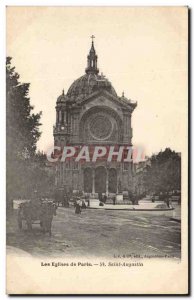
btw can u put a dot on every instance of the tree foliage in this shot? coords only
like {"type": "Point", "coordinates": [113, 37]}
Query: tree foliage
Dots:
{"type": "Point", "coordinates": [26, 169]}
{"type": "Point", "coordinates": [164, 172]}
{"type": "Point", "coordinates": [22, 124]}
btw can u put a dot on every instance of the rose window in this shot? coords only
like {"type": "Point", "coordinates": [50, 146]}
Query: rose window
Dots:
{"type": "Point", "coordinates": [100, 127]}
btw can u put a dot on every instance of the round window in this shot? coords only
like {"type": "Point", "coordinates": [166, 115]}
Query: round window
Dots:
{"type": "Point", "coordinates": [100, 127]}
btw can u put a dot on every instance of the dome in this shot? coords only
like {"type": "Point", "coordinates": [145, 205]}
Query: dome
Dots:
{"type": "Point", "coordinates": [88, 84]}
{"type": "Point", "coordinates": [91, 81]}
{"type": "Point", "coordinates": [62, 98]}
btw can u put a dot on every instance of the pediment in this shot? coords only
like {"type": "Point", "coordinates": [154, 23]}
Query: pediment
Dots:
{"type": "Point", "coordinates": [105, 98]}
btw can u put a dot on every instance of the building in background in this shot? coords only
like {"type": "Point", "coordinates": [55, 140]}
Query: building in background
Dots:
{"type": "Point", "coordinates": [139, 173]}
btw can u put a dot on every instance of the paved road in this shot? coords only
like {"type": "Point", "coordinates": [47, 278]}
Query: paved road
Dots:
{"type": "Point", "coordinates": [100, 233]}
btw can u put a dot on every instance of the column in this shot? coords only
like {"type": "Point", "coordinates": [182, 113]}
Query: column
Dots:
{"type": "Point", "coordinates": [118, 176]}
{"type": "Point", "coordinates": [57, 117]}
{"type": "Point", "coordinates": [80, 179]}
{"type": "Point", "coordinates": [107, 173]}
{"type": "Point", "coordinates": [93, 181]}
{"type": "Point", "coordinates": [63, 172]}
{"type": "Point", "coordinates": [56, 176]}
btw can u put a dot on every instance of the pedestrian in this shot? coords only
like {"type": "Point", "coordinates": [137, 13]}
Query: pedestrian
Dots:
{"type": "Point", "coordinates": [100, 197]}
{"type": "Point", "coordinates": [83, 204]}
{"type": "Point", "coordinates": [87, 199]}
{"type": "Point", "coordinates": [78, 207]}
{"type": "Point", "coordinates": [133, 199]}
{"type": "Point", "coordinates": [114, 199]}
{"type": "Point", "coordinates": [168, 202]}
{"type": "Point", "coordinates": [104, 198]}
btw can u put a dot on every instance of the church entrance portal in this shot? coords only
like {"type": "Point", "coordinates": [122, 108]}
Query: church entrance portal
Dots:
{"type": "Point", "coordinates": [112, 181]}
{"type": "Point", "coordinates": [88, 180]}
{"type": "Point", "coordinates": [100, 180]}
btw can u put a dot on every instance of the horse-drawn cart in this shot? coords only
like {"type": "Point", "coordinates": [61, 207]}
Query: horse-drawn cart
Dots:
{"type": "Point", "coordinates": [37, 211]}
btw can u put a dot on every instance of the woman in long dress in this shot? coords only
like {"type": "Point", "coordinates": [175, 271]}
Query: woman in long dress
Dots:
{"type": "Point", "coordinates": [78, 207]}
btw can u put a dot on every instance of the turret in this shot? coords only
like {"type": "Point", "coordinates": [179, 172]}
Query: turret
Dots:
{"type": "Point", "coordinates": [61, 129]}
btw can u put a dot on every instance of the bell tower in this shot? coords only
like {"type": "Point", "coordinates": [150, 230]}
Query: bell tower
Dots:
{"type": "Point", "coordinates": [61, 130]}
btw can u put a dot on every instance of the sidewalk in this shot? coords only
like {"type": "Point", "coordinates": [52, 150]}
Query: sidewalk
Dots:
{"type": "Point", "coordinates": [143, 206]}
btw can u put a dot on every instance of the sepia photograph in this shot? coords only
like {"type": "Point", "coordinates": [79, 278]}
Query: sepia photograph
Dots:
{"type": "Point", "coordinates": [97, 150]}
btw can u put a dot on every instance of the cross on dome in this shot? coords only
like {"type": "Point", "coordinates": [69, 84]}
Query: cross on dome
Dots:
{"type": "Point", "coordinates": [92, 37]}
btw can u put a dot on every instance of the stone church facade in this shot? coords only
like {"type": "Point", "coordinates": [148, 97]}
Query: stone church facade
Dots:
{"type": "Point", "coordinates": [91, 113]}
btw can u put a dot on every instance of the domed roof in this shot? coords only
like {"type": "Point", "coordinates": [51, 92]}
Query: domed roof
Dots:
{"type": "Point", "coordinates": [88, 84]}
{"type": "Point", "coordinates": [62, 98]}
{"type": "Point", "coordinates": [91, 81]}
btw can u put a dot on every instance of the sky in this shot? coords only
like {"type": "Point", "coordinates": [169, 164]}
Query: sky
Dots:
{"type": "Point", "coordinates": [141, 50]}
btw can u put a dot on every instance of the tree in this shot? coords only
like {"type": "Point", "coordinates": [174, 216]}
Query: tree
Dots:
{"type": "Point", "coordinates": [22, 132]}
{"type": "Point", "coordinates": [164, 173]}
{"type": "Point", "coordinates": [42, 175]}
{"type": "Point", "coordinates": [22, 125]}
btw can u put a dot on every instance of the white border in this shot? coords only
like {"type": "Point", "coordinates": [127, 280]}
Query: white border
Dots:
{"type": "Point", "coordinates": [3, 5]}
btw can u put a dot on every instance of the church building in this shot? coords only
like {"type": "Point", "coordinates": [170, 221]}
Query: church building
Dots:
{"type": "Point", "coordinates": [91, 113]}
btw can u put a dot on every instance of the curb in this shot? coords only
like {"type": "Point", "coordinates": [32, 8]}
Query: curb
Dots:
{"type": "Point", "coordinates": [176, 220]}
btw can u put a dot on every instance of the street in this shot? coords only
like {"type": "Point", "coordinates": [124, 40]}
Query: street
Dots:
{"type": "Point", "coordinates": [99, 233]}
